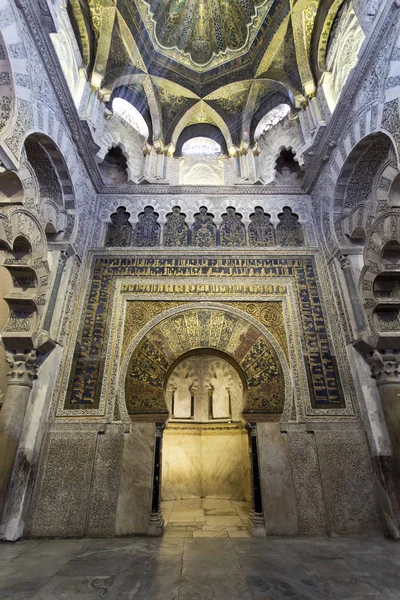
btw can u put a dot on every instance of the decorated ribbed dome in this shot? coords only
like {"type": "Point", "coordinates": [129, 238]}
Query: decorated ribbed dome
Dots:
{"type": "Point", "coordinates": [201, 30]}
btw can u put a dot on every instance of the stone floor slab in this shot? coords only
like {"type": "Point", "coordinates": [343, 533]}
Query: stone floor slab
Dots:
{"type": "Point", "coordinates": [198, 568]}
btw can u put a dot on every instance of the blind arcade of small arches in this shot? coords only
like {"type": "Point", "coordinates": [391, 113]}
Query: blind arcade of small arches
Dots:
{"type": "Point", "coordinates": [204, 232]}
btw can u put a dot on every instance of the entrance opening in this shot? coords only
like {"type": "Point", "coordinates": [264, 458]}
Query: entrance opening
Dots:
{"type": "Point", "coordinates": [205, 488]}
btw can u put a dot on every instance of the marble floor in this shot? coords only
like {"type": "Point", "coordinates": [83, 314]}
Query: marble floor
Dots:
{"type": "Point", "coordinates": [205, 517]}
{"type": "Point", "coordinates": [178, 568]}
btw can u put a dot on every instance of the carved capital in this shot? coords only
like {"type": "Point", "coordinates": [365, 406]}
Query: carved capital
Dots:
{"type": "Point", "coordinates": [23, 367]}
{"type": "Point", "coordinates": [160, 429]}
{"type": "Point", "coordinates": [64, 256]}
{"type": "Point", "coordinates": [345, 261]}
{"type": "Point", "coordinates": [385, 366]}
{"type": "Point", "coordinates": [251, 429]}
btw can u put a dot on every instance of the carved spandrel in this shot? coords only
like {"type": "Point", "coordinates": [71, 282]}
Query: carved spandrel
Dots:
{"type": "Point", "coordinates": [119, 231]}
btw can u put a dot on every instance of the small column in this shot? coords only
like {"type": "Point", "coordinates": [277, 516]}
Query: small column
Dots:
{"type": "Point", "coordinates": [162, 227]}
{"type": "Point", "coordinates": [310, 118]}
{"type": "Point", "coordinates": [244, 169]}
{"type": "Point", "coordinates": [23, 372]}
{"type": "Point", "coordinates": [256, 518]}
{"type": "Point", "coordinates": [314, 105]}
{"type": "Point", "coordinates": [156, 519]}
{"type": "Point", "coordinates": [358, 313]}
{"type": "Point", "coordinates": [62, 261]}
{"type": "Point", "coordinates": [385, 368]}
{"type": "Point", "coordinates": [91, 103]}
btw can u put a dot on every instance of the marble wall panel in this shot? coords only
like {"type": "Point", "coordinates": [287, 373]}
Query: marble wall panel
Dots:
{"type": "Point", "coordinates": [181, 464]}
{"type": "Point", "coordinates": [307, 483]}
{"type": "Point", "coordinates": [134, 502]}
{"type": "Point", "coordinates": [348, 479]}
{"type": "Point", "coordinates": [206, 463]}
{"type": "Point", "coordinates": [106, 482]}
{"type": "Point", "coordinates": [277, 490]}
{"type": "Point", "coordinates": [226, 465]}
{"type": "Point", "coordinates": [61, 496]}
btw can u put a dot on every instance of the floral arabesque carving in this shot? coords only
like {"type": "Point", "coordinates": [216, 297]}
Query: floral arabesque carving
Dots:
{"type": "Point", "coordinates": [147, 230]}
{"type": "Point", "coordinates": [204, 230]}
{"type": "Point", "coordinates": [261, 231]}
{"type": "Point", "coordinates": [119, 231]}
{"type": "Point", "coordinates": [176, 230]}
{"type": "Point", "coordinates": [289, 231]}
{"type": "Point", "coordinates": [232, 229]}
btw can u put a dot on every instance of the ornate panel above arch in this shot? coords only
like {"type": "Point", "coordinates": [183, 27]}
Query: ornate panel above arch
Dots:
{"type": "Point", "coordinates": [96, 361]}
{"type": "Point", "coordinates": [204, 328]}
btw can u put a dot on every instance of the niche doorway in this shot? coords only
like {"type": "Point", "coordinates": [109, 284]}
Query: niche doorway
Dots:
{"type": "Point", "coordinates": [205, 489]}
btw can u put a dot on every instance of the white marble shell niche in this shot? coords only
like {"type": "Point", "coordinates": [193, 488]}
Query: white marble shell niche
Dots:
{"type": "Point", "coordinates": [204, 388]}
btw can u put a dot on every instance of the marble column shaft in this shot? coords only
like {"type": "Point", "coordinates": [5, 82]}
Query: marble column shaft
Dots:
{"type": "Point", "coordinates": [358, 313]}
{"type": "Point", "coordinates": [256, 519]}
{"type": "Point", "coordinates": [156, 520]}
{"type": "Point", "coordinates": [23, 371]}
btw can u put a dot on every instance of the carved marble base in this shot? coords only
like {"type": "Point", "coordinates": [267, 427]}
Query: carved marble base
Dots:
{"type": "Point", "coordinates": [156, 525]}
{"type": "Point", "coordinates": [257, 524]}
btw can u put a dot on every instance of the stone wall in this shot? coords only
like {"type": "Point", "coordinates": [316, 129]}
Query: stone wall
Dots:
{"type": "Point", "coordinates": [78, 483]}
{"type": "Point", "coordinates": [316, 479]}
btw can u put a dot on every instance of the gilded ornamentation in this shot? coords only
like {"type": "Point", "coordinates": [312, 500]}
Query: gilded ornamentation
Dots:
{"type": "Point", "coordinates": [204, 230]}
{"type": "Point", "coordinates": [119, 231]}
{"type": "Point", "coordinates": [172, 337]}
{"type": "Point", "coordinates": [232, 229]}
{"type": "Point", "coordinates": [147, 230]}
{"type": "Point", "coordinates": [176, 230]}
{"type": "Point", "coordinates": [140, 313]}
{"type": "Point", "coordinates": [203, 31]}
{"type": "Point", "coordinates": [289, 232]}
{"type": "Point", "coordinates": [204, 328]}
{"type": "Point", "coordinates": [261, 232]}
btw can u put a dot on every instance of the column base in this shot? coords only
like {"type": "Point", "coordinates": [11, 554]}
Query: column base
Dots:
{"type": "Point", "coordinates": [156, 526]}
{"type": "Point", "coordinates": [257, 524]}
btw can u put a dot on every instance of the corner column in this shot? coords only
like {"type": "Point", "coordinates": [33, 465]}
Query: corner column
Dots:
{"type": "Point", "coordinates": [358, 312]}
{"type": "Point", "coordinates": [23, 371]}
{"type": "Point", "coordinates": [156, 519]}
{"type": "Point", "coordinates": [385, 368]}
{"type": "Point", "coordinates": [256, 518]}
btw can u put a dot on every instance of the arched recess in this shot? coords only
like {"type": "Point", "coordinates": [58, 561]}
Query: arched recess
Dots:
{"type": "Point", "coordinates": [55, 200]}
{"type": "Point", "coordinates": [23, 253]}
{"type": "Point", "coordinates": [114, 167]}
{"type": "Point", "coordinates": [164, 340]}
{"type": "Point", "coordinates": [136, 96]}
{"type": "Point", "coordinates": [201, 113]}
{"type": "Point", "coordinates": [201, 130]}
{"type": "Point", "coordinates": [362, 189]}
{"type": "Point", "coordinates": [380, 278]}
{"type": "Point", "coordinates": [266, 105]}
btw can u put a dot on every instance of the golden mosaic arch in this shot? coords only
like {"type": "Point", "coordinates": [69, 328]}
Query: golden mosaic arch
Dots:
{"type": "Point", "coordinates": [201, 328]}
